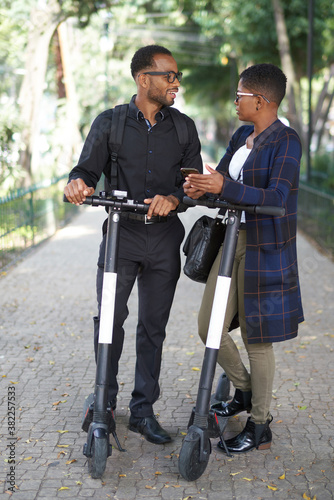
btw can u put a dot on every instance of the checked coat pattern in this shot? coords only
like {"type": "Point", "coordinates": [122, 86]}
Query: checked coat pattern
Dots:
{"type": "Point", "coordinates": [270, 177]}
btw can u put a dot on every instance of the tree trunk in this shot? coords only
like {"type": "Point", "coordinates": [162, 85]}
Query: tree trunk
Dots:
{"type": "Point", "coordinates": [43, 23]}
{"type": "Point", "coordinates": [323, 107]}
{"type": "Point", "coordinates": [71, 135]}
{"type": "Point", "coordinates": [287, 66]}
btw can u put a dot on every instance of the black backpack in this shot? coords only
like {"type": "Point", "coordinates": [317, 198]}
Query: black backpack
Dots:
{"type": "Point", "coordinates": [116, 136]}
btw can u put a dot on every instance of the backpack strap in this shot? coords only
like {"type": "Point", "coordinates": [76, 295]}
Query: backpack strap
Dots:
{"type": "Point", "coordinates": [181, 127]}
{"type": "Point", "coordinates": [115, 140]}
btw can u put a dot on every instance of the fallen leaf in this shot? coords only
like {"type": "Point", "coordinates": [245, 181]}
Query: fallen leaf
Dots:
{"type": "Point", "coordinates": [63, 488]}
{"type": "Point", "coordinates": [62, 432]}
{"type": "Point", "coordinates": [282, 476]}
{"type": "Point", "coordinates": [27, 458]}
{"type": "Point", "coordinates": [150, 487]}
{"type": "Point", "coordinates": [195, 369]}
{"type": "Point", "coordinates": [122, 475]}
{"type": "Point", "coordinates": [70, 461]}
{"type": "Point", "coordinates": [302, 407]}
{"type": "Point", "coordinates": [79, 483]}
{"type": "Point", "coordinates": [63, 445]}
{"type": "Point", "coordinates": [306, 497]}
{"type": "Point", "coordinates": [190, 353]}
{"type": "Point", "coordinates": [234, 473]}
{"type": "Point", "coordinates": [158, 473]}
{"type": "Point", "coordinates": [272, 487]}
{"type": "Point", "coordinates": [247, 479]}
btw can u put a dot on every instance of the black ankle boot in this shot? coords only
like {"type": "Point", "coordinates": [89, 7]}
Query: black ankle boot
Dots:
{"type": "Point", "coordinates": [257, 436]}
{"type": "Point", "coordinates": [240, 402]}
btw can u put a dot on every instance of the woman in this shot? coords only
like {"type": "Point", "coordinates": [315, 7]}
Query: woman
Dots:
{"type": "Point", "coordinates": [260, 167]}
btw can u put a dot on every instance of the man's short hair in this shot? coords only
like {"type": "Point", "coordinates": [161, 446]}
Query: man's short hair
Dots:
{"type": "Point", "coordinates": [144, 58]}
{"type": "Point", "coordinates": [266, 79]}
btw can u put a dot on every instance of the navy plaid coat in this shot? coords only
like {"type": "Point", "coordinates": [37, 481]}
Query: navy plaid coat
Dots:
{"type": "Point", "coordinates": [270, 177]}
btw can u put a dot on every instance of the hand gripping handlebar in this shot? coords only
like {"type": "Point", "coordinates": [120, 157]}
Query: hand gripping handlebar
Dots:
{"type": "Point", "coordinates": [117, 204]}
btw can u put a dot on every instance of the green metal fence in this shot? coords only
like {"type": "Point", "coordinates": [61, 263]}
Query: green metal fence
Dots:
{"type": "Point", "coordinates": [31, 215]}
{"type": "Point", "coordinates": [316, 215]}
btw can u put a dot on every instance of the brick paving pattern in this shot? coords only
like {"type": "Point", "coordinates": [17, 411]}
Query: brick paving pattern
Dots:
{"type": "Point", "coordinates": [46, 352]}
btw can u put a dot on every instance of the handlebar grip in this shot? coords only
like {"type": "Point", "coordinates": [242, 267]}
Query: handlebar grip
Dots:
{"type": "Point", "coordinates": [189, 201]}
{"type": "Point", "coordinates": [88, 201]}
{"type": "Point", "coordinates": [213, 203]}
{"type": "Point", "coordinates": [276, 211]}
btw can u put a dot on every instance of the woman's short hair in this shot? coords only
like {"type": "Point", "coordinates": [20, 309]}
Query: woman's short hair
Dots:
{"type": "Point", "coordinates": [266, 79]}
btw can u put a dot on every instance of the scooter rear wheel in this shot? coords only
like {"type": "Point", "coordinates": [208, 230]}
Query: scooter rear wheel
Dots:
{"type": "Point", "coordinates": [97, 462]}
{"type": "Point", "coordinates": [190, 466]}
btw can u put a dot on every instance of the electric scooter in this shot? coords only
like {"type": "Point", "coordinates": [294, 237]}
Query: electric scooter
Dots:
{"type": "Point", "coordinates": [98, 418]}
{"type": "Point", "coordinates": [204, 423]}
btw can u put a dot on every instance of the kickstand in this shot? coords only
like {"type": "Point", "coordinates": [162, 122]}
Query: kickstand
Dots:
{"type": "Point", "coordinates": [222, 438]}
{"type": "Point", "coordinates": [117, 441]}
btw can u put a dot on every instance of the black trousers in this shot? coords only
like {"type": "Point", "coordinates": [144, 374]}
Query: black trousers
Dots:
{"type": "Point", "coordinates": [150, 253]}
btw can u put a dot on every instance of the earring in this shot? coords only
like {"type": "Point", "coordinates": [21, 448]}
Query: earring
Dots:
{"type": "Point", "coordinates": [257, 109]}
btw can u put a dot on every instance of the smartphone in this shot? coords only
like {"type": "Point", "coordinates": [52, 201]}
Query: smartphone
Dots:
{"type": "Point", "coordinates": [187, 171]}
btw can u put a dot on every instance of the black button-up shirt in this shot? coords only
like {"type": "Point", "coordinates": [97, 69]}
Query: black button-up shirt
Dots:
{"type": "Point", "coordinates": [149, 159]}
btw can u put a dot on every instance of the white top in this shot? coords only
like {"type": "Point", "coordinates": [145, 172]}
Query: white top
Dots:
{"type": "Point", "coordinates": [236, 168]}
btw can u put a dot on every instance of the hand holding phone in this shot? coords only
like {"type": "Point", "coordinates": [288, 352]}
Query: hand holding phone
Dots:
{"type": "Point", "coordinates": [187, 171]}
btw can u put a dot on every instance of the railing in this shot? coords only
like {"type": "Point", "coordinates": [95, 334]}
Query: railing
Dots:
{"type": "Point", "coordinates": [31, 215]}
{"type": "Point", "coordinates": [316, 215]}
{"type": "Point", "coordinates": [27, 217]}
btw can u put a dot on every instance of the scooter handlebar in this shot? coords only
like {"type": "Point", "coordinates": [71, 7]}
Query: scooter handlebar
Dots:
{"type": "Point", "coordinates": [218, 203]}
{"type": "Point", "coordinates": [126, 205]}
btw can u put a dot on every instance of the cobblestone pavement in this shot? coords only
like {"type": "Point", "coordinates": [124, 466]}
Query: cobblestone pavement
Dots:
{"type": "Point", "coordinates": [47, 367]}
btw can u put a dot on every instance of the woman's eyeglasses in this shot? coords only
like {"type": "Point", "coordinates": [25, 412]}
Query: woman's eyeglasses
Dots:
{"type": "Point", "coordinates": [240, 94]}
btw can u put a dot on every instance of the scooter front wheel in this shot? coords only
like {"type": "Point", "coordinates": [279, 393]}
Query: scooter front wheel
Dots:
{"type": "Point", "coordinates": [191, 464]}
{"type": "Point", "coordinates": [99, 454]}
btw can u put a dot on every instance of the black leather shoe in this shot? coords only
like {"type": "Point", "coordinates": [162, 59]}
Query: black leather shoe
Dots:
{"type": "Point", "coordinates": [240, 402]}
{"type": "Point", "coordinates": [257, 436]}
{"type": "Point", "coordinates": [150, 428]}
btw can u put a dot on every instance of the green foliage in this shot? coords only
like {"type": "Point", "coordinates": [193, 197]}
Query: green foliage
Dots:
{"type": "Point", "coordinates": [323, 171]}
{"type": "Point", "coordinates": [212, 41]}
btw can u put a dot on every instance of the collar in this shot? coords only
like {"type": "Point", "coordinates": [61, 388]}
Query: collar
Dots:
{"type": "Point", "coordinates": [138, 115]}
{"type": "Point", "coordinates": [276, 125]}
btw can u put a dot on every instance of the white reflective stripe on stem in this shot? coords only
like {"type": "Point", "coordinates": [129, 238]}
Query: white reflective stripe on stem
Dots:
{"type": "Point", "coordinates": [107, 308]}
{"type": "Point", "coordinates": [218, 312]}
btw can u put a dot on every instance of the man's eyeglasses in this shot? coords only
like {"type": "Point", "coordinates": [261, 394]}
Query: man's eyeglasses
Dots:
{"type": "Point", "coordinates": [171, 75]}
{"type": "Point", "coordinates": [240, 94]}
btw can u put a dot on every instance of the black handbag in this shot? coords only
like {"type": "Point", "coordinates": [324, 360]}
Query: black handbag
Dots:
{"type": "Point", "coordinates": [201, 247]}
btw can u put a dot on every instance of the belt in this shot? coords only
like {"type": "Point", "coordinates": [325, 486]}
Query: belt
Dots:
{"type": "Point", "coordinates": [242, 225]}
{"type": "Point", "coordinates": [143, 218]}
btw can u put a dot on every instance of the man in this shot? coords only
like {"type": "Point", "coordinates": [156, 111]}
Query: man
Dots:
{"type": "Point", "coordinates": [149, 163]}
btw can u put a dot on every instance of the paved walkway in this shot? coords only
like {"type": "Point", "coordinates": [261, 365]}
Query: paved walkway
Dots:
{"type": "Point", "coordinates": [47, 368]}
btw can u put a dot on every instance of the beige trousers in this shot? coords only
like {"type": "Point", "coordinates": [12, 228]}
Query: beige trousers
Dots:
{"type": "Point", "coordinates": [261, 355]}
